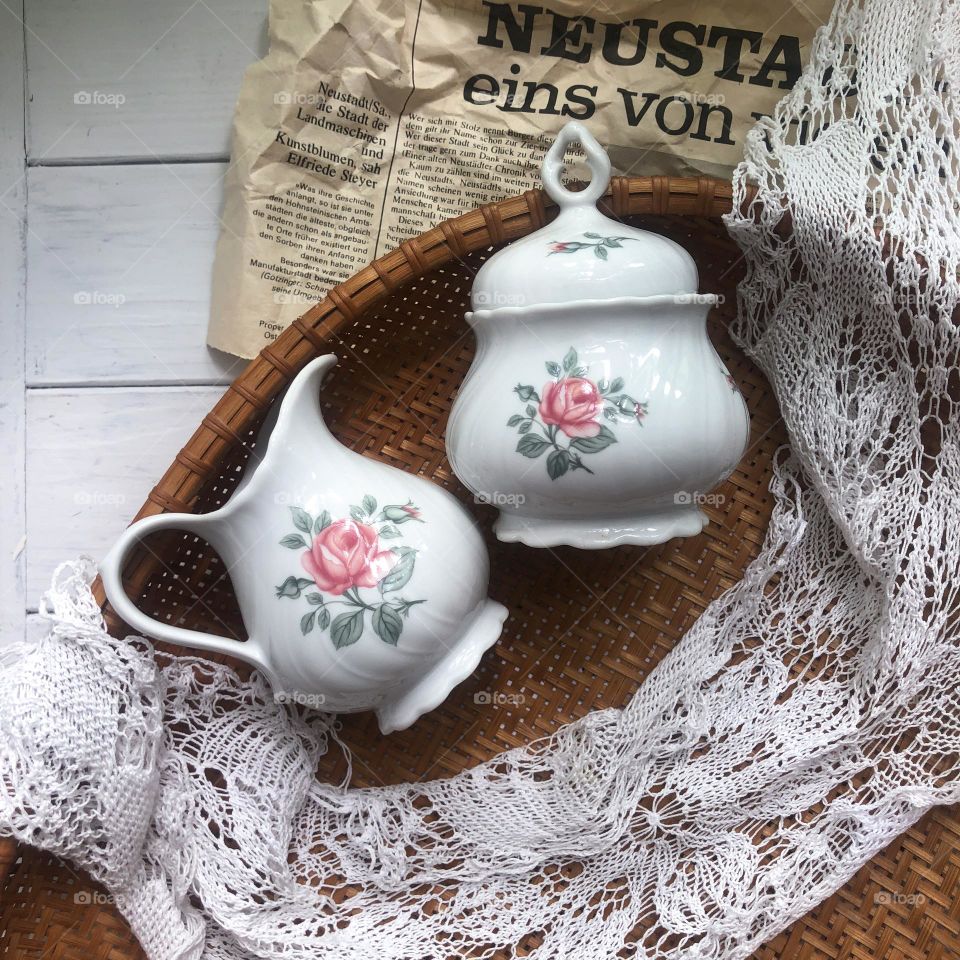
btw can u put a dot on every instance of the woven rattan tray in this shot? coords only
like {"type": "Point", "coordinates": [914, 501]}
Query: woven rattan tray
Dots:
{"type": "Point", "coordinates": [585, 627]}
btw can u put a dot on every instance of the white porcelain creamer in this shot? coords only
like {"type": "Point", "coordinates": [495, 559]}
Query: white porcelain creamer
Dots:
{"type": "Point", "coordinates": [361, 587]}
{"type": "Point", "coordinates": [597, 411]}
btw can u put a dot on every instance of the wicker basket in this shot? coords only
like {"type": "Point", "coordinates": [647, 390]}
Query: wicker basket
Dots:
{"type": "Point", "coordinates": [585, 627]}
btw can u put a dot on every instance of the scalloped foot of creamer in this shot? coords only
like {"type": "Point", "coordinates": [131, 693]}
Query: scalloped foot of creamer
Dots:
{"type": "Point", "coordinates": [598, 533]}
{"type": "Point", "coordinates": [456, 666]}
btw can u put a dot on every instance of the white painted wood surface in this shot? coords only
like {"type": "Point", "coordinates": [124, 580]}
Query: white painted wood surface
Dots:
{"type": "Point", "coordinates": [125, 254]}
{"type": "Point", "coordinates": [93, 456]}
{"type": "Point", "coordinates": [110, 79]}
{"type": "Point", "coordinates": [12, 278]}
{"type": "Point", "coordinates": [124, 117]}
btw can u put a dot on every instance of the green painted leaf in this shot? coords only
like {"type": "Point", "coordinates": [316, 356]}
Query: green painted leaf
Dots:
{"type": "Point", "coordinates": [514, 420]}
{"type": "Point", "coordinates": [315, 599]}
{"type": "Point", "coordinates": [553, 368]}
{"type": "Point", "coordinates": [600, 252]}
{"type": "Point", "coordinates": [306, 622]}
{"type": "Point", "coordinates": [293, 541]}
{"type": "Point", "coordinates": [322, 522]}
{"type": "Point", "coordinates": [592, 236]}
{"type": "Point", "coordinates": [617, 385]}
{"type": "Point", "coordinates": [387, 624]}
{"type": "Point", "coordinates": [578, 372]}
{"type": "Point", "coordinates": [390, 533]}
{"type": "Point", "coordinates": [369, 504]}
{"type": "Point", "coordinates": [558, 463]}
{"type": "Point", "coordinates": [525, 426]}
{"type": "Point", "coordinates": [610, 414]}
{"type": "Point", "coordinates": [531, 410]}
{"type": "Point", "coordinates": [532, 445]}
{"type": "Point", "coordinates": [301, 519]}
{"type": "Point", "coordinates": [603, 385]}
{"type": "Point", "coordinates": [323, 621]}
{"type": "Point", "coordinates": [346, 629]}
{"type": "Point", "coordinates": [357, 513]}
{"type": "Point", "coordinates": [400, 575]}
{"type": "Point", "coordinates": [594, 444]}
{"type": "Point", "coordinates": [612, 241]}
{"type": "Point", "coordinates": [570, 360]}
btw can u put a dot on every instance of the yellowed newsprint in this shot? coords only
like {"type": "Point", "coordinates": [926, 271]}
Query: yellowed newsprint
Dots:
{"type": "Point", "coordinates": [369, 121]}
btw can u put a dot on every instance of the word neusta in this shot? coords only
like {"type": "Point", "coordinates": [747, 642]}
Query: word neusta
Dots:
{"type": "Point", "coordinates": [676, 46]}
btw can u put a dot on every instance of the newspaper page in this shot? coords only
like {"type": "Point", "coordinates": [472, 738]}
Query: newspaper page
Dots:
{"type": "Point", "coordinates": [369, 121]}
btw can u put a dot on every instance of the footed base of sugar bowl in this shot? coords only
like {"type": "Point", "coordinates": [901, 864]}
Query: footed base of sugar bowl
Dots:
{"type": "Point", "coordinates": [598, 533]}
{"type": "Point", "coordinates": [459, 662]}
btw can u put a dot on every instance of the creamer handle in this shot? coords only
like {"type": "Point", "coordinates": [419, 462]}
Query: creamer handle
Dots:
{"type": "Point", "coordinates": [111, 569]}
{"type": "Point", "coordinates": [597, 160]}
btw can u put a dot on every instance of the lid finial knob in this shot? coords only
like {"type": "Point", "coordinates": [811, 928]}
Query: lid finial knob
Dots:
{"type": "Point", "coordinates": [597, 160]}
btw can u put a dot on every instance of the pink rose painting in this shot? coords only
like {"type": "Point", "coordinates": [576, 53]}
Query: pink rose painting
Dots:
{"type": "Point", "coordinates": [341, 558]}
{"type": "Point", "coordinates": [572, 404]}
{"type": "Point", "coordinates": [347, 554]}
{"type": "Point", "coordinates": [563, 420]}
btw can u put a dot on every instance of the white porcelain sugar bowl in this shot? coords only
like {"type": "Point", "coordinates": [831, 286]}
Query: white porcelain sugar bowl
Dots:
{"type": "Point", "coordinates": [597, 411]}
{"type": "Point", "coordinates": [361, 587]}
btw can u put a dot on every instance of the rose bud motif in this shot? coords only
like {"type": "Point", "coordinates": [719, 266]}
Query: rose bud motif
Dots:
{"type": "Point", "coordinates": [572, 405]}
{"type": "Point", "coordinates": [347, 554]}
{"type": "Point", "coordinates": [401, 513]}
{"type": "Point", "coordinates": [290, 588]}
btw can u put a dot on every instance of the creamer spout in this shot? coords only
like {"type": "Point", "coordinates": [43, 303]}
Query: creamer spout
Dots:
{"type": "Point", "coordinates": [301, 408]}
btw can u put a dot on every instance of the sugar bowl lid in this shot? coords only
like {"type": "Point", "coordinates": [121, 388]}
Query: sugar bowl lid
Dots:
{"type": "Point", "coordinates": [582, 254]}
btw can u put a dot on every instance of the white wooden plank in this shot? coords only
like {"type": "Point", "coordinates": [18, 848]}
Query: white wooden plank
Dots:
{"type": "Point", "coordinates": [93, 456]}
{"type": "Point", "coordinates": [109, 79]}
{"type": "Point", "coordinates": [37, 627]}
{"type": "Point", "coordinates": [119, 261]}
{"type": "Point", "coordinates": [12, 282]}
